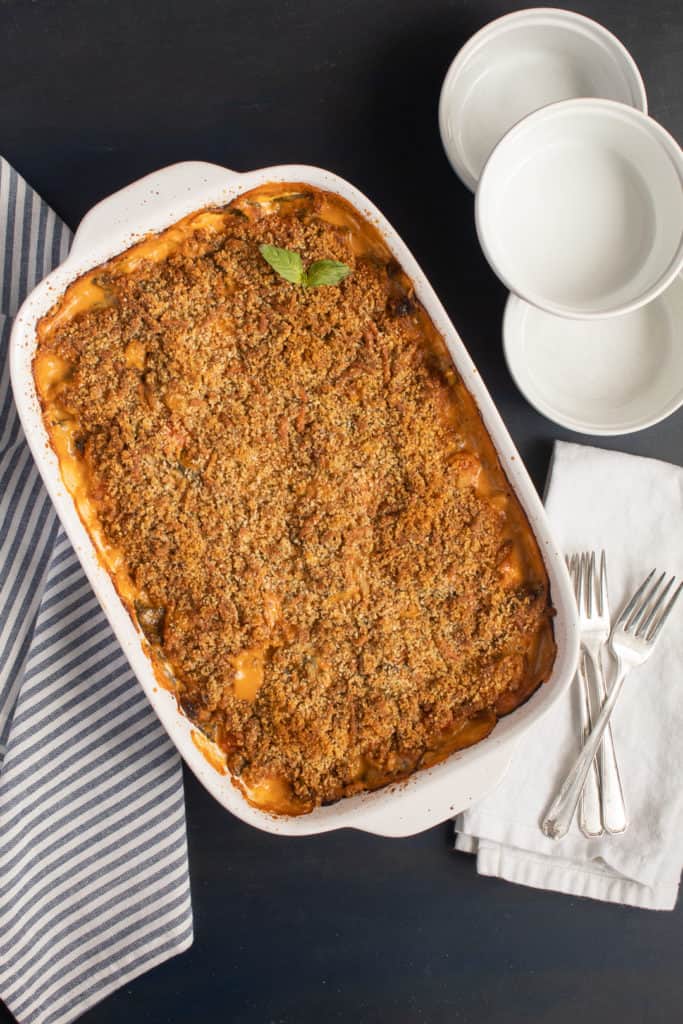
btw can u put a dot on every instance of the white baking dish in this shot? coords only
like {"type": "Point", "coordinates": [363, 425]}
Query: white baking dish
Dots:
{"type": "Point", "coordinates": [429, 796]}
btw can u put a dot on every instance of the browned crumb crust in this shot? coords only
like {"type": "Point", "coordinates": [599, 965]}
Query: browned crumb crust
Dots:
{"type": "Point", "coordinates": [289, 469]}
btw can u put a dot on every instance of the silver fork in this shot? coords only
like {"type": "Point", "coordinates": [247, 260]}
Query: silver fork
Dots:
{"type": "Point", "coordinates": [590, 819]}
{"type": "Point", "coordinates": [593, 602]}
{"type": "Point", "coordinates": [632, 641]}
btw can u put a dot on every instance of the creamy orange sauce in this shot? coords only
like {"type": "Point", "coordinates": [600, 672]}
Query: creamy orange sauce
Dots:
{"type": "Point", "coordinates": [471, 732]}
{"type": "Point", "coordinates": [210, 751]}
{"type": "Point", "coordinates": [478, 468]}
{"type": "Point", "coordinates": [50, 371]}
{"type": "Point", "coordinates": [248, 673]}
{"type": "Point", "coordinates": [77, 481]}
{"type": "Point", "coordinates": [272, 794]}
{"type": "Point", "coordinates": [84, 294]}
{"type": "Point", "coordinates": [135, 355]}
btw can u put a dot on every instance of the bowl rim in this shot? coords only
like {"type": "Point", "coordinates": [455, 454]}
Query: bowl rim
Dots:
{"type": "Point", "coordinates": [557, 16]}
{"type": "Point", "coordinates": [515, 313]}
{"type": "Point", "coordinates": [432, 795]}
{"type": "Point", "coordinates": [590, 107]}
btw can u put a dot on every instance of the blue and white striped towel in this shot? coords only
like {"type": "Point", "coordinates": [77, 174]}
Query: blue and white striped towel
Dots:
{"type": "Point", "coordinates": [94, 886]}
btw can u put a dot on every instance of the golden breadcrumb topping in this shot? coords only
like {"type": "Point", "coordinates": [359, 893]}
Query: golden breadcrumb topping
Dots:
{"type": "Point", "coordinates": [323, 546]}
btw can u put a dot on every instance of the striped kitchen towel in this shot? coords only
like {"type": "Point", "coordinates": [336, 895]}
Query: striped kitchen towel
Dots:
{"type": "Point", "coordinates": [94, 886]}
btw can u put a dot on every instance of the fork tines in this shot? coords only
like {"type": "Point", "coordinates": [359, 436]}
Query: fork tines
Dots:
{"type": "Point", "coordinates": [646, 612]}
{"type": "Point", "coordinates": [582, 570]}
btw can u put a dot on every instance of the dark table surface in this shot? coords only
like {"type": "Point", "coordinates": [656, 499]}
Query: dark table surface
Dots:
{"type": "Point", "coordinates": [343, 927]}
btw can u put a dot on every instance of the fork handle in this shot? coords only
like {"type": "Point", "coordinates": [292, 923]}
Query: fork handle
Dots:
{"type": "Point", "coordinates": [563, 808]}
{"type": "Point", "coordinates": [590, 817]}
{"type": "Point", "coordinates": [614, 816]}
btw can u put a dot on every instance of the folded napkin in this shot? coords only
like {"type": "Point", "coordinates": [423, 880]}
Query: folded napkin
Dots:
{"type": "Point", "coordinates": [633, 507]}
{"type": "Point", "coordinates": [94, 886]}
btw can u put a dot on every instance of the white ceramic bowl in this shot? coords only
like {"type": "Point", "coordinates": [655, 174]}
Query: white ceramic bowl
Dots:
{"type": "Point", "coordinates": [579, 209]}
{"type": "Point", "coordinates": [522, 62]}
{"type": "Point", "coordinates": [429, 796]}
{"type": "Point", "coordinates": [609, 376]}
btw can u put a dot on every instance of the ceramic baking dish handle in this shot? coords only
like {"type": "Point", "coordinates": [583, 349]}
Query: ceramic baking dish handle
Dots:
{"type": "Point", "coordinates": [420, 809]}
{"type": "Point", "coordinates": [121, 219]}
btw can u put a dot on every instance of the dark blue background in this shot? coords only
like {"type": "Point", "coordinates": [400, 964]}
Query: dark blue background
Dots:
{"type": "Point", "coordinates": [343, 927]}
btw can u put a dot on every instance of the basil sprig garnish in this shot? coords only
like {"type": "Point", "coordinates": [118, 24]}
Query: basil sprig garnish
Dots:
{"type": "Point", "coordinates": [289, 265]}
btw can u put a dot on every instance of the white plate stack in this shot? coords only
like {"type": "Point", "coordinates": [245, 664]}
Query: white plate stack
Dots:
{"type": "Point", "coordinates": [579, 211]}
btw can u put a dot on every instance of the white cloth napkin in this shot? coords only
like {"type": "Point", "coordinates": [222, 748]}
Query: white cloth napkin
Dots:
{"type": "Point", "coordinates": [94, 885]}
{"type": "Point", "coordinates": [633, 507]}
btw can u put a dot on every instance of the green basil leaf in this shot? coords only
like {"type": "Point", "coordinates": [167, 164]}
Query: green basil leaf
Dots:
{"type": "Point", "coordinates": [326, 272]}
{"type": "Point", "coordinates": [287, 264]}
